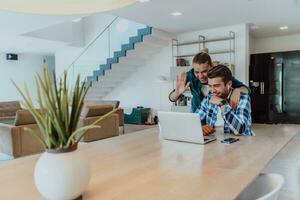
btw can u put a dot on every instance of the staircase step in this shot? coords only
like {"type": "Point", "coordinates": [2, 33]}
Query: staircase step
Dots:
{"type": "Point", "coordinates": [145, 31]}
{"type": "Point", "coordinates": [98, 72]}
{"type": "Point", "coordinates": [126, 47]}
{"type": "Point", "coordinates": [104, 67]}
{"type": "Point", "coordinates": [112, 60]}
{"type": "Point", "coordinates": [120, 53]}
{"type": "Point", "coordinates": [136, 39]}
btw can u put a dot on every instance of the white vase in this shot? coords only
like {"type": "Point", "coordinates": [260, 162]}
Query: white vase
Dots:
{"type": "Point", "coordinates": [62, 176]}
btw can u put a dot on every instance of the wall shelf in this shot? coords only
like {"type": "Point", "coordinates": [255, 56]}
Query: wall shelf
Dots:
{"type": "Point", "coordinates": [205, 41]}
{"type": "Point", "coordinates": [213, 52]}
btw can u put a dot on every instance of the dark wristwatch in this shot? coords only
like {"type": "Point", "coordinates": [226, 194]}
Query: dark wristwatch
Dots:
{"type": "Point", "coordinates": [222, 103]}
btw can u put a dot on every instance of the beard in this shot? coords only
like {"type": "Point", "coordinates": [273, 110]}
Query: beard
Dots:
{"type": "Point", "coordinates": [224, 94]}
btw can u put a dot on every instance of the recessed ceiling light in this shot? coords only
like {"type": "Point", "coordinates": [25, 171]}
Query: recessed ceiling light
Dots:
{"type": "Point", "coordinates": [144, 1]}
{"type": "Point", "coordinates": [283, 27]}
{"type": "Point", "coordinates": [176, 13]}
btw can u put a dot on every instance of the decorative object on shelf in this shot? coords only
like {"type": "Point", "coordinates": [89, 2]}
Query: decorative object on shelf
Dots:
{"type": "Point", "coordinates": [62, 7]}
{"type": "Point", "coordinates": [151, 118]}
{"type": "Point", "coordinates": [62, 172]}
{"type": "Point", "coordinates": [205, 50]}
{"type": "Point", "coordinates": [180, 62]}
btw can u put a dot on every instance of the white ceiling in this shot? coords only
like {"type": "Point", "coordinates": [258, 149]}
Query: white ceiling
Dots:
{"type": "Point", "coordinates": [268, 15]}
{"type": "Point", "coordinates": [14, 25]}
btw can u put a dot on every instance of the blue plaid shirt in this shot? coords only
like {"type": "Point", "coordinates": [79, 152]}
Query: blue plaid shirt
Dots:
{"type": "Point", "coordinates": [237, 121]}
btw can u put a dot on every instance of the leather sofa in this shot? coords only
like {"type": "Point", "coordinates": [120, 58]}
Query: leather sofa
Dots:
{"type": "Point", "coordinates": [115, 104]}
{"type": "Point", "coordinates": [109, 126]}
{"type": "Point", "coordinates": [8, 110]}
{"type": "Point", "coordinates": [15, 139]}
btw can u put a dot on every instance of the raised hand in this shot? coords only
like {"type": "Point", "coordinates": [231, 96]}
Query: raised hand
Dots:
{"type": "Point", "coordinates": [181, 84]}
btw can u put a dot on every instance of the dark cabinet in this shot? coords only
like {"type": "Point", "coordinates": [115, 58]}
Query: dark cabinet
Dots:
{"type": "Point", "coordinates": [275, 84]}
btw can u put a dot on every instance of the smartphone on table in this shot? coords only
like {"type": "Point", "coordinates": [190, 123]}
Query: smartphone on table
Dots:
{"type": "Point", "coordinates": [229, 140]}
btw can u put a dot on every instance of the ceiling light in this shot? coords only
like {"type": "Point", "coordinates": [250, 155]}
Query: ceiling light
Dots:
{"type": "Point", "coordinates": [144, 1]}
{"type": "Point", "coordinates": [283, 27]}
{"type": "Point", "coordinates": [176, 13]}
{"type": "Point", "coordinates": [62, 7]}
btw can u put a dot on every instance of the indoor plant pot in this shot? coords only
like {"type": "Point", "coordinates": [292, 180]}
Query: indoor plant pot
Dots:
{"type": "Point", "coordinates": [62, 172]}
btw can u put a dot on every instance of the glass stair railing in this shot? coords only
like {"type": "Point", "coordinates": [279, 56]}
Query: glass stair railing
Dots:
{"type": "Point", "coordinates": [111, 44]}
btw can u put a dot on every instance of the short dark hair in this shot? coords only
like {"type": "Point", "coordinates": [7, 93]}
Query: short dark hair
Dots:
{"type": "Point", "coordinates": [202, 58]}
{"type": "Point", "coordinates": [220, 71]}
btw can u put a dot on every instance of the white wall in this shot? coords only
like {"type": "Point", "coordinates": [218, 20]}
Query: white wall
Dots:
{"type": "Point", "coordinates": [143, 89]}
{"type": "Point", "coordinates": [22, 70]}
{"type": "Point", "coordinates": [276, 44]}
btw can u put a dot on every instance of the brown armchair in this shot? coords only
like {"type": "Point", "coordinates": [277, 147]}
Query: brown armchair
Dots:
{"type": "Point", "coordinates": [15, 140]}
{"type": "Point", "coordinates": [8, 110]}
{"type": "Point", "coordinates": [115, 104]}
{"type": "Point", "coordinates": [109, 126]}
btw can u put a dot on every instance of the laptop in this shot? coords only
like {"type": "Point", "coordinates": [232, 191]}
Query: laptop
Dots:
{"type": "Point", "coordinates": [184, 127]}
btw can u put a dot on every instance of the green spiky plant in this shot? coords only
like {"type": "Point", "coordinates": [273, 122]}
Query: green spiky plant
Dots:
{"type": "Point", "coordinates": [59, 112]}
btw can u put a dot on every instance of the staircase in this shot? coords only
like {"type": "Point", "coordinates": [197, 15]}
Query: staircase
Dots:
{"type": "Point", "coordinates": [132, 55]}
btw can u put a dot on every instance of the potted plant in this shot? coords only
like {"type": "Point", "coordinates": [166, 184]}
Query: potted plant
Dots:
{"type": "Point", "coordinates": [62, 172]}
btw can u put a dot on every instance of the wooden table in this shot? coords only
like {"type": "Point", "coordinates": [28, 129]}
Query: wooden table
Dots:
{"type": "Point", "coordinates": [140, 166]}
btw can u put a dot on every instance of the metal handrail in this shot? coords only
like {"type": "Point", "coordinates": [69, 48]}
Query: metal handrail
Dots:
{"type": "Point", "coordinates": [94, 40]}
